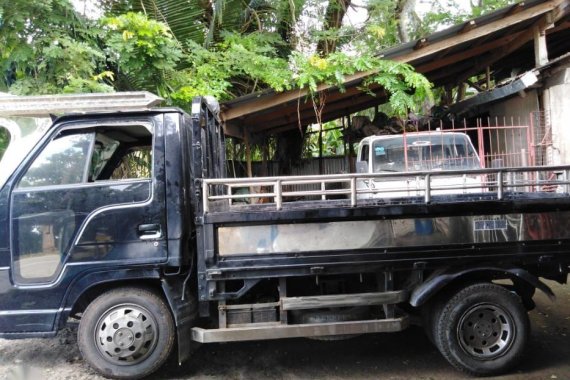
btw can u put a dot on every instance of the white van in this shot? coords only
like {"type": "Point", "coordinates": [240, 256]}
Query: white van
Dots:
{"type": "Point", "coordinates": [417, 153]}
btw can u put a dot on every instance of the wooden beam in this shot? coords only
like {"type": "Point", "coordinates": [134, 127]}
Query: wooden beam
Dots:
{"type": "Point", "coordinates": [440, 55]}
{"type": "Point", "coordinates": [516, 8]}
{"type": "Point", "coordinates": [562, 26]}
{"type": "Point", "coordinates": [521, 40]}
{"type": "Point", "coordinates": [475, 86]}
{"type": "Point", "coordinates": [481, 31]}
{"type": "Point", "coordinates": [289, 111]}
{"type": "Point", "coordinates": [308, 114]}
{"type": "Point", "coordinates": [342, 109]}
{"type": "Point", "coordinates": [518, 85]}
{"type": "Point", "coordinates": [450, 74]}
{"type": "Point", "coordinates": [436, 64]}
{"type": "Point", "coordinates": [233, 130]}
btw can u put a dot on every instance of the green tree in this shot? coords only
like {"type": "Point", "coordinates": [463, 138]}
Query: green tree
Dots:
{"type": "Point", "coordinates": [48, 48]}
{"type": "Point", "coordinates": [141, 51]}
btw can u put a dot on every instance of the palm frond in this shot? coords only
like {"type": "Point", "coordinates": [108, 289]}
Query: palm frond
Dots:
{"type": "Point", "coordinates": [184, 18]}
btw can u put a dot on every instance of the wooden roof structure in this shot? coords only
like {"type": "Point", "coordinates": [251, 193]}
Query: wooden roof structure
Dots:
{"type": "Point", "coordinates": [515, 38]}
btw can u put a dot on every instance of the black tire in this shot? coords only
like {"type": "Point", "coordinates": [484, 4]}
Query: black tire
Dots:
{"type": "Point", "coordinates": [483, 330]}
{"type": "Point", "coordinates": [126, 333]}
{"type": "Point", "coordinates": [430, 314]}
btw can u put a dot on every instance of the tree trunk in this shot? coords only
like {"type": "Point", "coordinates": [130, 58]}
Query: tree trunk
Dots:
{"type": "Point", "coordinates": [333, 20]}
{"type": "Point", "coordinates": [403, 13]}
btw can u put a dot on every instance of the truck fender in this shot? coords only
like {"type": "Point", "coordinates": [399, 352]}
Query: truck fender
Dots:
{"type": "Point", "coordinates": [92, 279]}
{"type": "Point", "coordinates": [439, 279]}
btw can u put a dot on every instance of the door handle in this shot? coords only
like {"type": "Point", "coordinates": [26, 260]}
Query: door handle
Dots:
{"type": "Point", "coordinates": [149, 231]}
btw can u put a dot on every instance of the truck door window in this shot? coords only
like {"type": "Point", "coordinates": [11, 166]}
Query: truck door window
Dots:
{"type": "Point", "coordinates": [48, 206]}
{"type": "Point", "coordinates": [136, 163]}
{"type": "Point", "coordinates": [122, 153]}
{"type": "Point", "coordinates": [62, 162]}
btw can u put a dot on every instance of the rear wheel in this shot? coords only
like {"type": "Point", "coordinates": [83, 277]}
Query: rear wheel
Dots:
{"type": "Point", "coordinates": [483, 329]}
{"type": "Point", "coordinates": [126, 333]}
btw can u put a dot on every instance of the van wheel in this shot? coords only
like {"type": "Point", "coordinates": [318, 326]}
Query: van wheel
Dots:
{"type": "Point", "coordinates": [483, 329]}
{"type": "Point", "coordinates": [126, 333]}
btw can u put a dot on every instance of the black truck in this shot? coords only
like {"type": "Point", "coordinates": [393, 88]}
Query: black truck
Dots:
{"type": "Point", "coordinates": [154, 259]}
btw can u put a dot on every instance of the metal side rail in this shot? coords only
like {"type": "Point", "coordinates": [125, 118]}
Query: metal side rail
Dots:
{"type": "Point", "coordinates": [344, 300]}
{"type": "Point", "coordinates": [279, 331]}
{"type": "Point", "coordinates": [494, 183]}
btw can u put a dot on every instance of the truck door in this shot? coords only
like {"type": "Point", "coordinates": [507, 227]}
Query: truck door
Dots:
{"type": "Point", "coordinates": [91, 198]}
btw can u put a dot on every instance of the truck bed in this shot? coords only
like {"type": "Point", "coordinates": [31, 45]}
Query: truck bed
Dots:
{"type": "Point", "coordinates": [514, 216]}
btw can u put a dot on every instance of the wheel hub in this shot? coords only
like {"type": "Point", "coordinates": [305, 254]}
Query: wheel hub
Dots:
{"type": "Point", "coordinates": [486, 331]}
{"type": "Point", "coordinates": [126, 334]}
{"type": "Point", "coordinates": [124, 337]}
{"type": "Point", "coordinates": [483, 329]}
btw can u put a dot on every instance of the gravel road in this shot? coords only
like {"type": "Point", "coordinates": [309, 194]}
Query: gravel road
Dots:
{"type": "Point", "coordinates": [406, 355]}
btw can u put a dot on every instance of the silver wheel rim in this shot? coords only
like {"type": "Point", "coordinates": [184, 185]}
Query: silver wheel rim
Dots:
{"type": "Point", "coordinates": [126, 334]}
{"type": "Point", "coordinates": [486, 331]}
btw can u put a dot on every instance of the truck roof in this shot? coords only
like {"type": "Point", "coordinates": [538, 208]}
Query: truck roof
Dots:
{"type": "Point", "coordinates": [47, 105]}
{"type": "Point", "coordinates": [103, 114]}
{"type": "Point", "coordinates": [413, 134]}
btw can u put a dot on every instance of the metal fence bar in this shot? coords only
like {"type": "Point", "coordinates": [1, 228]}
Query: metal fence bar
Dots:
{"type": "Point", "coordinates": [278, 190]}
{"type": "Point", "coordinates": [490, 182]}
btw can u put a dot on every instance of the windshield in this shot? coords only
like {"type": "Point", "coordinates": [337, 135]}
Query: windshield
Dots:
{"type": "Point", "coordinates": [23, 133]}
{"type": "Point", "coordinates": [424, 152]}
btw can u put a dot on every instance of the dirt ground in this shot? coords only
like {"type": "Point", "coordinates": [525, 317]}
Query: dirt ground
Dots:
{"type": "Point", "coordinates": [406, 355]}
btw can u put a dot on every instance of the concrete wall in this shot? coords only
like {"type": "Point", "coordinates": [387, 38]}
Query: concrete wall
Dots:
{"type": "Point", "coordinates": [557, 102]}
{"type": "Point", "coordinates": [516, 109]}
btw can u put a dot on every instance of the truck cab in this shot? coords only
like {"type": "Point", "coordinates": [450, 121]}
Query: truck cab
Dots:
{"type": "Point", "coordinates": [414, 155]}
{"type": "Point", "coordinates": [90, 199]}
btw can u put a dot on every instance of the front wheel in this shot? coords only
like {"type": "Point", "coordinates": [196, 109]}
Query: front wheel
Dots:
{"type": "Point", "coordinates": [126, 333]}
{"type": "Point", "coordinates": [483, 329]}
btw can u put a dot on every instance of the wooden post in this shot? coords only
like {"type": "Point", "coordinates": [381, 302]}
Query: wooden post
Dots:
{"type": "Point", "coordinates": [540, 49]}
{"type": "Point", "coordinates": [461, 91]}
{"type": "Point", "coordinates": [488, 77]}
{"type": "Point", "coordinates": [248, 158]}
{"type": "Point", "coordinates": [249, 168]}
{"type": "Point", "coordinates": [265, 158]}
{"type": "Point", "coordinates": [351, 153]}
{"type": "Point", "coordinates": [320, 148]}
{"type": "Point", "coordinates": [344, 142]}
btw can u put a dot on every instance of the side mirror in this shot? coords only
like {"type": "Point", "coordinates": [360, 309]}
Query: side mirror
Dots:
{"type": "Point", "coordinates": [362, 167]}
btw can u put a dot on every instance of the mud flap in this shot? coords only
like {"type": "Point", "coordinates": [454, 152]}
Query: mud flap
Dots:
{"type": "Point", "coordinates": [184, 311]}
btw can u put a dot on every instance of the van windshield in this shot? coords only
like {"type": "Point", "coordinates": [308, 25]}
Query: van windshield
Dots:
{"type": "Point", "coordinates": [424, 152]}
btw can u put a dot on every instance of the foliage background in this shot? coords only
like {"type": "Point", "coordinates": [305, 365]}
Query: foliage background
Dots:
{"type": "Point", "coordinates": [226, 48]}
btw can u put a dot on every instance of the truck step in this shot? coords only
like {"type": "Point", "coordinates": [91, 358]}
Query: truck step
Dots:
{"type": "Point", "coordinates": [344, 300]}
{"type": "Point", "coordinates": [279, 331]}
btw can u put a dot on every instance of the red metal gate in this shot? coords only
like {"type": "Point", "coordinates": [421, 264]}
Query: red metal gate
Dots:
{"type": "Point", "coordinates": [500, 142]}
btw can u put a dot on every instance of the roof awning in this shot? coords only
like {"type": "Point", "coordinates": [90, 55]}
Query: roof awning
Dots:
{"type": "Point", "coordinates": [501, 41]}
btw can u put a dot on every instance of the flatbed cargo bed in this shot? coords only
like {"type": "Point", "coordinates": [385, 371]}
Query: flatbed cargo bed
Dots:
{"type": "Point", "coordinates": [331, 236]}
